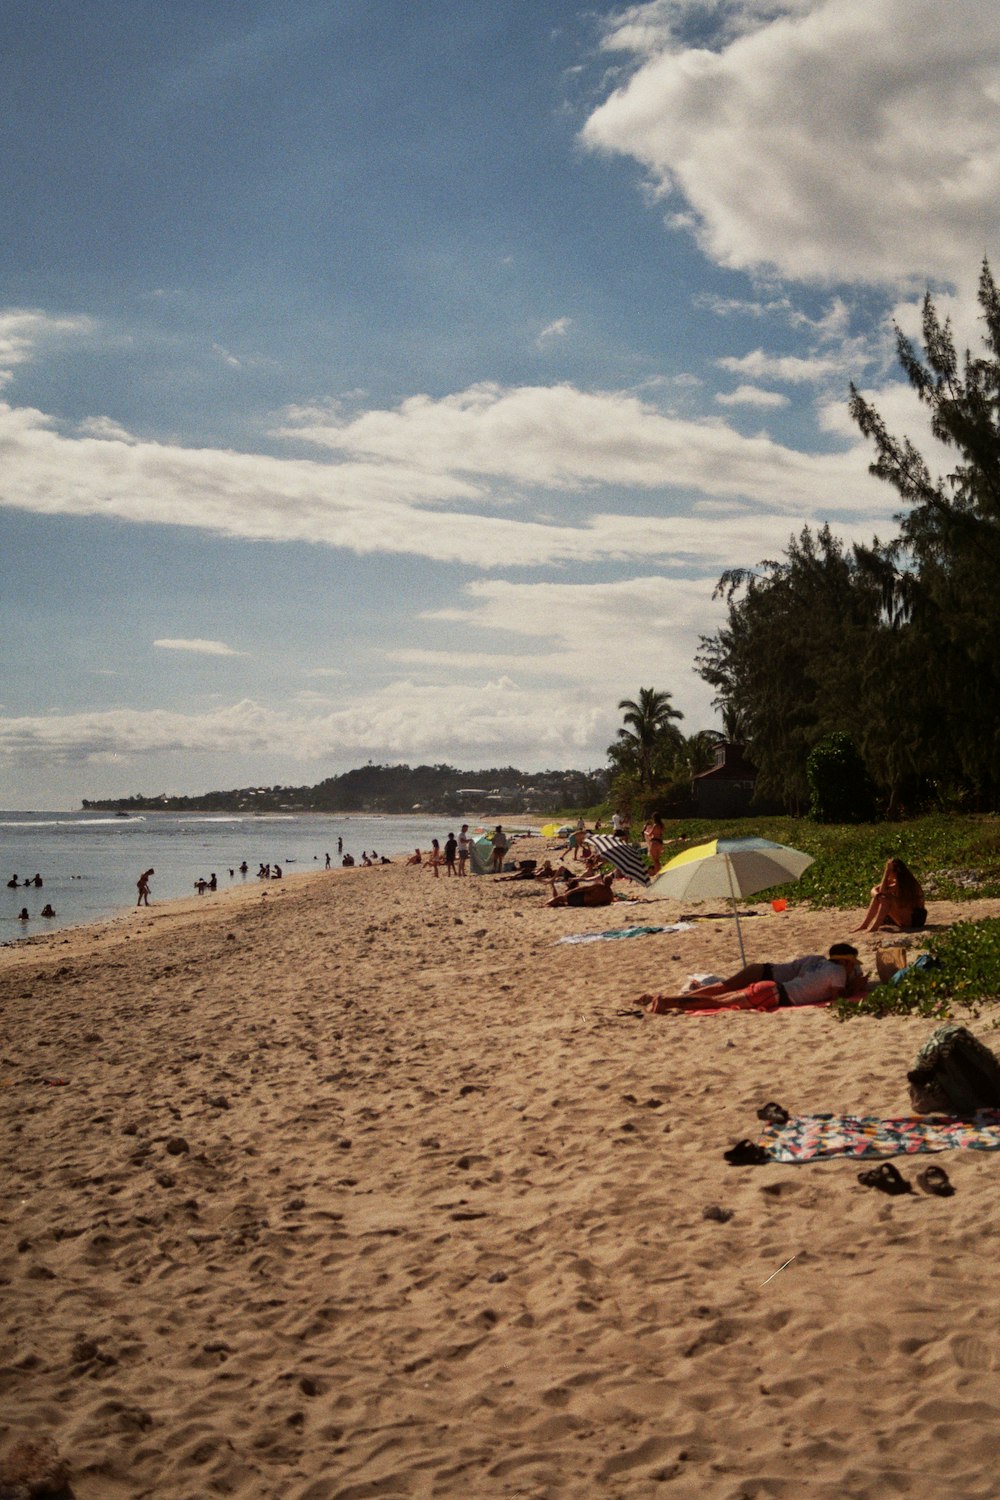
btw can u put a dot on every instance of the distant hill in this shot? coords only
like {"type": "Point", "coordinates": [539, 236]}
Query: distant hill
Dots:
{"type": "Point", "coordinates": [391, 789]}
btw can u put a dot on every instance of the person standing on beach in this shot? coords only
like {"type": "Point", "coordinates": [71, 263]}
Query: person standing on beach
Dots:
{"type": "Point", "coordinates": [450, 850]}
{"type": "Point", "coordinates": [327, 865]}
{"type": "Point", "coordinates": [142, 885]}
{"type": "Point", "coordinates": [653, 834]}
{"type": "Point", "coordinates": [499, 841]}
{"type": "Point", "coordinates": [463, 848]}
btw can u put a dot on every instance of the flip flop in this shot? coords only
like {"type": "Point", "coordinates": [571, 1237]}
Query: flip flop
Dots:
{"type": "Point", "coordinates": [775, 1114]}
{"type": "Point", "coordinates": [746, 1154]}
{"type": "Point", "coordinates": [935, 1180]}
{"type": "Point", "coordinates": [886, 1178]}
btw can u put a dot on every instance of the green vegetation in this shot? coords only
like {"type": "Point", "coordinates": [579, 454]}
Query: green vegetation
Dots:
{"type": "Point", "coordinates": [393, 789]}
{"type": "Point", "coordinates": [892, 645]}
{"type": "Point", "coordinates": [965, 971]}
{"type": "Point", "coordinates": [954, 857]}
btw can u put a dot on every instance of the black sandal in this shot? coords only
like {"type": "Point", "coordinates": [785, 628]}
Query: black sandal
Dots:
{"type": "Point", "coordinates": [935, 1180]}
{"type": "Point", "coordinates": [775, 1114]}
{"type": "Point", "coordinates": [746, 1154]}
{"type": "Point", "coordinates": [886, 1178]}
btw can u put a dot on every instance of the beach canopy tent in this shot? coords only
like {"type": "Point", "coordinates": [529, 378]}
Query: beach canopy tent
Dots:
{"type": "Point", "coordinates": [628, 858]}
{"type": "Point", "coordinates": [728, 869]}
{"type": "Point", "coordinates": [480, 856]}
{"type": "Point", "coordinates": [550, 830]}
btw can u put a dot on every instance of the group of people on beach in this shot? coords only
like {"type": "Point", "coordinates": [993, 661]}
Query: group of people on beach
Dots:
{"type": "Point", "coordinates": [455, 855]}
{"type": "Point", "coordinates": [897, 904]}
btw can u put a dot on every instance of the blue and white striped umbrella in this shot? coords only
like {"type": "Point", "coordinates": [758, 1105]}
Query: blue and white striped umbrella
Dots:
{"type": "Point", "coordinates": [627, 858]}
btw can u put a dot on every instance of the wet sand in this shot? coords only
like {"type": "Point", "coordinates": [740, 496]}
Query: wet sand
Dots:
{"type": "Point", "coordinates": [364, 1185]}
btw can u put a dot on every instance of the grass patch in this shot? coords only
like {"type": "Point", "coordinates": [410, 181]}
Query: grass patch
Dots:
{"type": "Point", "coordinates": [954, 858]}
{"type": "Point", "coordinates": [965, 972]}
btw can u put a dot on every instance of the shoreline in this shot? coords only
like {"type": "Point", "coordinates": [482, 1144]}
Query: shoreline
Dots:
{"type": "Point", "coordinates": [371, 1186]}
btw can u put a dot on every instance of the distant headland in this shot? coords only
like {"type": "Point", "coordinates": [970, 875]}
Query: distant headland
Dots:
{"type": "Point", "coordinates": [390, 789]}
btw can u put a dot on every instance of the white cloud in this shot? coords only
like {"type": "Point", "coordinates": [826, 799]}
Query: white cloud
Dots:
{"type": "Point", "coordinates": [790, 368]}
{"type": "Point", "coordinates": [555, 330]}
{"type": "Point", "coordinates": [23, 329]}
{"type": "Point", "coordinates": [835, 140]}
{"type": "Point", "coordinates": [199, 647]}
{"type": "Point", "coordinates": [103, 427]}
{"type": "Point", "coordinates": [751, 395]}
{"type": "Point", "coordinates": [482, 449]}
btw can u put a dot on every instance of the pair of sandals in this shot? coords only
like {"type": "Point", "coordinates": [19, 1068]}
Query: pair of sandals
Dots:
{"type": "Point", "coordinates": [888, 1179]}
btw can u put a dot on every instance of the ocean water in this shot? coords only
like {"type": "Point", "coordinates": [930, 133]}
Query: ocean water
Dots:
{"type": "Point", "coordinates": [90, 861]}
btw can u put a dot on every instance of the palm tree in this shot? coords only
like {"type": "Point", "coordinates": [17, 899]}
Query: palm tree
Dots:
{"type": "Point", "coordinates": [698, 751]}
{"type": "Point", "coordinates": [648, 726]}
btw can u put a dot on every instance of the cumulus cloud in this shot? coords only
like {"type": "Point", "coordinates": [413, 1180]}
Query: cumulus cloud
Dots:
{"type": "Point", "coordinates": [426, 477]}
{"type": "Point", "coordinates": [790, 368]}
{"type": "Point", "coordinates": [751, 395]}
{"type": "Point", "coordinates": [833, 140]}
{"type": "Point", "coordinates": [199, 647]}
{"type": "Point", "coordinates": [407, 719]}
{"type": "Point", "coordinates": [23, 329]}
{"type": "Point", "coordinates": [548, 698]}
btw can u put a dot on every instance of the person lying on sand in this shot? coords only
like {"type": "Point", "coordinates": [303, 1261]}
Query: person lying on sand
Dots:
{"type": "Point", "coordinates": [897, 900]}
{"type": "Point", "coordinates": [808, 980]}
{"type": "Point", "coordinates": [586, 893]}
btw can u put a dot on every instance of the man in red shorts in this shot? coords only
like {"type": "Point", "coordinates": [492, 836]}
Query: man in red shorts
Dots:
{"type": "Point", "coordinates": [809, 980]}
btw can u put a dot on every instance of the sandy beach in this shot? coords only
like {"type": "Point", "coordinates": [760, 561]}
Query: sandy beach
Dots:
{"type": "Point", "coordinates": [364, 1185]}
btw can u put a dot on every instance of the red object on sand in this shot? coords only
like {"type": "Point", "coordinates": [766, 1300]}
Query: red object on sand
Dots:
{"type": "Point", "coordinates": [780, 904]}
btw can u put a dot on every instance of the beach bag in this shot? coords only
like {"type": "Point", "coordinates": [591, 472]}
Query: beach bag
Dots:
{"type": "Point", "coordinates": [891, 960]}
{"type": "Point", "coordinates": [954, 1074]}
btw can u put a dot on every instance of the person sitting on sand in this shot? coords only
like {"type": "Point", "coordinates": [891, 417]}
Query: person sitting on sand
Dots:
{"type": "Point", "coordinates": [415, 858]}
{"type": "Point", "coordinates": [591, 893]}
{"type": "Point", "coordinates": [549, 872]}
{"type": "Point", "coordinates": [808, 980]}
{"type": "Point", "coordinates": [897, 901]}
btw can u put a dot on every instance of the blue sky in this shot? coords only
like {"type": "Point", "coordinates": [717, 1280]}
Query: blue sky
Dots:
{"type": "Point", "coordinates": [394, 381]}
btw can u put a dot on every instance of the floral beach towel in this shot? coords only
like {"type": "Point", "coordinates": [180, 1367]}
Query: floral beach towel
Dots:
{"type": "Point", "coordinates": [861, 1137]}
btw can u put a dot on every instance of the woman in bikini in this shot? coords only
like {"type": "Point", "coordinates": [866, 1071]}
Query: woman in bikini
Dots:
{"type": "Point", "coordinates": [653, 834]}
{"type": "Point", "coordinates": [897, 901]}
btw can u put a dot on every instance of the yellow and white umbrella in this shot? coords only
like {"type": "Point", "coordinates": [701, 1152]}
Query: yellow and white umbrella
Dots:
{"type": "Point", "coordinates": [730, 870]}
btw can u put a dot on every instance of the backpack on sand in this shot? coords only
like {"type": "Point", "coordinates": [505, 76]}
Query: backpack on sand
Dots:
{"type": "Point", "coordinates": [954, 1074]}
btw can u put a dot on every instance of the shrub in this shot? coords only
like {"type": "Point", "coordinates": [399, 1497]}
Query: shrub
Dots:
{"type": "Point", "coordinates": [841, 791]}
{"type": "Point", "coordinates": [965, 971]}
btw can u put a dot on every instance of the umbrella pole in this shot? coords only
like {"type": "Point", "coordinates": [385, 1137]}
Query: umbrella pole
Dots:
{"type": "Point", "coordinates": [736, 914]}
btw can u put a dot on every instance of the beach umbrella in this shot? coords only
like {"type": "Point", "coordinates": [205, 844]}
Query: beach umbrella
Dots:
{"type": "Point", "coordinates": [550, 830]}
{"type": "Point", "coordinates": [730, 870]}
{"type": "Point", "coordinates": [628, 858]}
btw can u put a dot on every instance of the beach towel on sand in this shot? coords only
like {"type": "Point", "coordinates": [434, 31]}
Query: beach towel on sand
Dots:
{"type": "Point", "coordinates": [621, 932]}
{"type": "Point", "coordinates": [860, 1137]}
